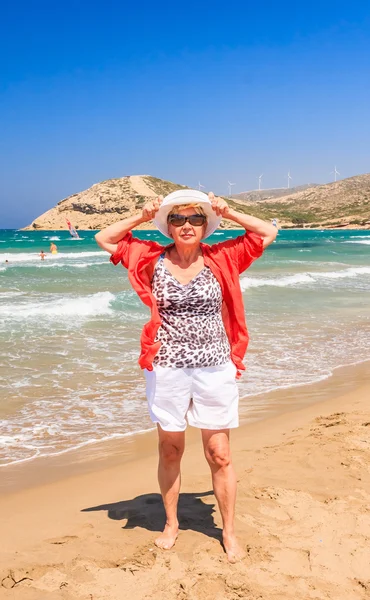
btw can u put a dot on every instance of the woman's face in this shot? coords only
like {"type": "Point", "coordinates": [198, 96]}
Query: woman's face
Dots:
{"type": "Point", "coordinates": [187, 235]}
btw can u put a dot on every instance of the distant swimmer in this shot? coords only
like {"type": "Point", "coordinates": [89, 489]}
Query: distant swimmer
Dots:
{"type": "Point", "coordinates": [274, 222]}
{"type": "Point", "coordinates": [53, 248]}
{"type": "Point", "coordinates": [42, 255]}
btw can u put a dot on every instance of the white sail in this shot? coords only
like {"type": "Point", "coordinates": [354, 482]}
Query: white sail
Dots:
{"type": "Point", "coordinates": [72, 230]}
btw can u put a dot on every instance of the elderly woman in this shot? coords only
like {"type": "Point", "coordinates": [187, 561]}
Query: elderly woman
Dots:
{"type": "Point", "coordinates": [193, 346]}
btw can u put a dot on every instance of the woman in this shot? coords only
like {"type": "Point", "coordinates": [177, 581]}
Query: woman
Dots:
{"type": "Point", "coordinates": [193, 346]}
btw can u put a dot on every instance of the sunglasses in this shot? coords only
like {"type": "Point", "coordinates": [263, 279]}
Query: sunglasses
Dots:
{"type": "Point", "coordinates": [180, 220]}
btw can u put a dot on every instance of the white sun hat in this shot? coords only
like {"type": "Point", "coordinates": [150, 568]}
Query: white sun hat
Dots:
{"type": "Point", "coordinates": [186, 197]}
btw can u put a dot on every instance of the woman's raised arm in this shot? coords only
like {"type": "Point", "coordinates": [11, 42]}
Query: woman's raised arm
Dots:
{"type": "Point", "coordinates": [267, 231]}
{"type": "Point", "coordinates": [109, 237]}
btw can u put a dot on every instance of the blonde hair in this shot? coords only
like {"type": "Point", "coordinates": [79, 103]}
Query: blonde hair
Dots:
{"type": "Point", "coordinates": [197, 207]}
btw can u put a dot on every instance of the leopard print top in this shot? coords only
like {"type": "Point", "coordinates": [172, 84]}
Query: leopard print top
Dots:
{"type": "Point", "coordinates": [192, 331]}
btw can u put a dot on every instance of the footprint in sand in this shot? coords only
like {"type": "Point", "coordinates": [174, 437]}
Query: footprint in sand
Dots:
{"type": "Point", "coordinates": [63, 540]}
{"type": "Point", "coordinates": [332, 420]}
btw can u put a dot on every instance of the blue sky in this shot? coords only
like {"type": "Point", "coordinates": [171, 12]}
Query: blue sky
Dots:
{"type": "Point", "coordinates": [214, 91]}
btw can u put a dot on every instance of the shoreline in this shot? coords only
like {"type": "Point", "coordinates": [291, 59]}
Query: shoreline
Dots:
{"type": "Point", "coordinates": [73, 302]}
{"type": "Point", "coordinates": [98, 456]}
{"type": "Point", "coordinates": [302, 514]}
{"type": "Point", "coordinates": [345, 227]}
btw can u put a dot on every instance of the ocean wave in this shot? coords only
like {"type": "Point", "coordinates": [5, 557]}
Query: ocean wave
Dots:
{"type": "Point", "coordinates": [366, 242]}
{"type": "Point", "coordinates": [251, 282]}
{"type": "Point", "coordinates": [8, 441]}
{"type": "Point", "coordinates": [22, 443]}
{"type": "Point", "coordinates": [84, 307]}
{"type": "Point", "coordinates": [325, 374]}
{"type": "Point", "coordinates": [351, 272]}
{"type": "Point", "coordinates": [302, 278]}
{"type": "Point", "coordinates": [59, 265]}
{"type": "Point", "coordinates": [24, 257]}
{"type": "Point", "coordinates": [84, 265]}
{"type": "Point", "coordinates": [331, 263]}
{"type": "Point", "coordinates": [11, 294]}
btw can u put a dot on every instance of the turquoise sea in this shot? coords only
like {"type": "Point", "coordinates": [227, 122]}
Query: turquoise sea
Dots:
{"type": "Point", "coordinates": [70, 327]}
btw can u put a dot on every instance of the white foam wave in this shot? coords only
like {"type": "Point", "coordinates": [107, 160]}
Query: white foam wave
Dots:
{"type": "Point", "coordinates": [366, 242]}
{"type": "Point", "coordinates": [251, 282]}
{"type": "Point", "coordinates": [351, 272]}
{"type": "Point", "coordinates": [84, 265]}
{"type": "Point", "coordinates": [107, 438]}
{"type": "Point", "coordinates": [24, 257]}
{"type": "Point", "coordinates": [83, 307]}
{"type": "Point", "coordinates": [44, 265]}
{"type": "Point", "coordinates": [359, 237]}
{"type": "Point", "coordinates": [302, 278]}
{"type": "Point", "coordinates": [11, 294]}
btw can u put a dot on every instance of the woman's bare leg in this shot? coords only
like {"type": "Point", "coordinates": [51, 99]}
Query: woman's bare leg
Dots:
{"type": "Point", "coordinates": [217, 451]}
{"type": "Point", "coordinates": [171, 446]}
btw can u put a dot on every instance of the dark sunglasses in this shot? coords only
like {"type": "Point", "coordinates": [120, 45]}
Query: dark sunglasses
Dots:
{"type": "Point", "coordinates": [180, 220]}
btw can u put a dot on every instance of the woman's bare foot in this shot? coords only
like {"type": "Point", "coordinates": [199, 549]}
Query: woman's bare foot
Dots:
{"type": "Point", "coordinates": [233, 549]}
{"type": "Point", "coordinates": [168, 538]}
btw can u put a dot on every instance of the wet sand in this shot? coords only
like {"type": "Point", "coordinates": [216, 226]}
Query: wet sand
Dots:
{"type": "Point", "coordinates": [303, 513]}
{"type": "Point", "coordinates": [118, 452]}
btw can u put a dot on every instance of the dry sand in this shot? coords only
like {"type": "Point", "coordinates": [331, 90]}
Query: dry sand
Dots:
{"type": "Point", "coordinates": [303, 515]}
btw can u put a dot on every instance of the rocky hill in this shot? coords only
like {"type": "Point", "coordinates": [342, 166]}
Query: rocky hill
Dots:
{"type": "Point", "coordinates": [104, 203]}
{"type": "Point", "coordinates": [345, 203]}
{"type": "Point", "coordinates": [257, 195]}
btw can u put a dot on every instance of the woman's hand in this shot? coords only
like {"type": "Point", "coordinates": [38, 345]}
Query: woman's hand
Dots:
{"type": "Point", "coordinates": [151, 208]}
{"type": "Point", "coordinates": [267, 231]}
{"type": "Point", "coordinates": [109, 237]}
{"type": "Point", "coordinates": [219, 205]}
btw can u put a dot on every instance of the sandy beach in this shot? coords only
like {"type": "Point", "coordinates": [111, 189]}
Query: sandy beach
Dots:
{"type": "Point", "coordinates": [185, 228]}
{"type": "Point", "coordinates": [303, 515]}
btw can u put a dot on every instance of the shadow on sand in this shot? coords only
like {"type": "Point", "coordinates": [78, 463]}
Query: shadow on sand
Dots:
{"type": "Point", "coordinates": [147, 511]}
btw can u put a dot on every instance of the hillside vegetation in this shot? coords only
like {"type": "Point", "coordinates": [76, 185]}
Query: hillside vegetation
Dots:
{"type": "Point", "coordinates": [342, 203]}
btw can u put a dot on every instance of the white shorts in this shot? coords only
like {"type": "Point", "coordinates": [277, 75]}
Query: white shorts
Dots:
{"type": "Point", "coordinates": [207, 396]}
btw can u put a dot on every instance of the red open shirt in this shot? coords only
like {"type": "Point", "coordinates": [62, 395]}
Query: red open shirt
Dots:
{"type": "Point", "coordinates": [226, 261]}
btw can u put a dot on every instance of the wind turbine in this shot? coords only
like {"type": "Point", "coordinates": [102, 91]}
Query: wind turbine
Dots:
{"type": "Point", "coordinates": [289, 178]}
{"type": "Point", "coordinates": [200, 186]}
{"type": "Point", "coordinates": [335, 173]}
{"type": "Point", "coordinates": [230, 186]}
{"type": "Point", "coordinates": [259, 182]}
